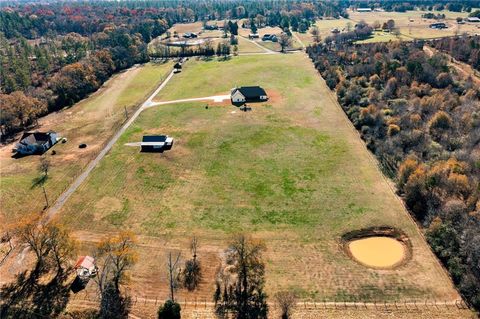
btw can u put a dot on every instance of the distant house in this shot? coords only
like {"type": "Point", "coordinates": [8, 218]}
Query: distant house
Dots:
{"type": "Point", "coordinates": [211, 27]}
{"type": "Point", "coordinates": [364, 10]}
{"type": "Point", "coordinates": [156, 143]}
{"type": "Point", "coordinates": [473, 19]}
{"type": "Point", "coordinates": [35, 142]}
{"type": "Point", "coordinates": [438, 25]}
{"type": "Point", "coordinates": [248, 94]}
{"type": "Point", "coordinates": [190, 35]}
{"type": "Point", "coordinates": [335, 31]}
{"type": "Point", "coordinates": [270, 37]}
{"type": "Point", "coordinates": [253, 36]}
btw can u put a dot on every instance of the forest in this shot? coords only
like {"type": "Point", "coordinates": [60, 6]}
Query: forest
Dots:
{"type": "Point", "coordinates": [53, 55]}
{"type": "Point", "coordinates": [423, 124]}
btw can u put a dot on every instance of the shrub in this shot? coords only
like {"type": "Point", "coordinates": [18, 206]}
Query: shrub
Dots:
{"type": "Point", "coordinates": [393, 129]}
{"type": "Point", "coordinates": [169, 310]}
{"type": "Point", "coordinates": [441, 120]}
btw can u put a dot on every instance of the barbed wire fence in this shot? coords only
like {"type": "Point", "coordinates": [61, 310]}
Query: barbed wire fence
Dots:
{"type": "Point", "coordinates": [303, 305]}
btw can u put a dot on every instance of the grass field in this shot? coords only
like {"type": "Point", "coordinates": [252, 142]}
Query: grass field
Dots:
{"type": "Point", "coordinates": [413, 26]}
{"type": "Point", "coordinates": [292, 172]}
{"type": "Point", "coordinates": [91, 121]}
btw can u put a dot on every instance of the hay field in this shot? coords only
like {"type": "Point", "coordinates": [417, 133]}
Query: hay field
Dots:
{"type": "Point", "coordinates": [292, 172]}
{"type": "Point", "coordinates": [92, 121]}
{"type": "Point", "coordinates": [413, 26]}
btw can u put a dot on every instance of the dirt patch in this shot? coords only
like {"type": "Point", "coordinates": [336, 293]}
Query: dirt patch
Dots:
{"type": "Point", "coordinates": [378, 247]}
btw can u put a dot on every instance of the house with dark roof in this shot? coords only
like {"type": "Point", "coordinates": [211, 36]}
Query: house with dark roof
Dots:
{"type": "Point", "coordinates": [248, 94]}
{"type": "Point", "coordinates": [35, 143]}
{"type": "Point", "coordinates": [438, 25]}
{"type": "Point", "coordinates": [156, 143]}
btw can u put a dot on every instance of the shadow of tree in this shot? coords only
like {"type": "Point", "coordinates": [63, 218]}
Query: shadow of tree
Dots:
{"type": "Point", "coordinates": [27, 298]}
{"type": "Point", "coordinates": [39, 181]}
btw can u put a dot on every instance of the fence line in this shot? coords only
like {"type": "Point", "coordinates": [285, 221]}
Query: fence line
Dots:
{"type": "Point", "coordinates": [304, 305]}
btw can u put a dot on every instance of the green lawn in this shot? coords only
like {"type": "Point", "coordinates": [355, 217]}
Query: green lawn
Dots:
{"type": "Point", "coordinates": [292, 172]}
{"type": "Point", "coordinates": [93, 121]}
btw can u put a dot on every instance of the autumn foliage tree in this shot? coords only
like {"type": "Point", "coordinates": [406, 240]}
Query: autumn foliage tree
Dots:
{"type": "Point", "coordinates": [115, 256]}
{"type": "Point", "coordinates": [50, 242]}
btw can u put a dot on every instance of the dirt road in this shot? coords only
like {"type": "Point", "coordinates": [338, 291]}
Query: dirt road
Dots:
{"type": "Point", "coordinates": [463, 69]}
{"type": "Point", "coordinates": [52, 211]}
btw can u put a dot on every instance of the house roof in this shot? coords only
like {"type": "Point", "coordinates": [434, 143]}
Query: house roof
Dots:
{"type": "Point", "coordinates": [85, 262]}
{"type": "Point", "coordinates": [38, 138]}
{"type": "Point", "coordinates": [251, 91]}
{"type": "Point", "coordinates": [154, 138]}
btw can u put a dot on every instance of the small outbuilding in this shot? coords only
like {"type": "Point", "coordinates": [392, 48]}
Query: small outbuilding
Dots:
{"type": "Point", "coordinates": [156, 143]}
{"type": "Point", "coordinates": [85, 268]}
{"type": "Point", "coordinates": [35, 142]}
{"type": "Point", "coordinates": [473, 19]}
{"type": "Point", "coordinates": [248, 94]}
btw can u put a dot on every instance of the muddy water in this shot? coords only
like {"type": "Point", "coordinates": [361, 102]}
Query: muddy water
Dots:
{"type": "Point", "coordinates": [380, 252]}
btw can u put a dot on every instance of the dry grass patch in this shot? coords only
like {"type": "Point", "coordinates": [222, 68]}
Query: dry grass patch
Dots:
{"type": "Point", "coordinates": [92, 121]}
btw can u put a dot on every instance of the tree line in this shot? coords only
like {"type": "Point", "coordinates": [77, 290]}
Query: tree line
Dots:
{"type": "Point", "coordinates": [53, 55]}
{"type": "Point", "coordinates": [423, 124]}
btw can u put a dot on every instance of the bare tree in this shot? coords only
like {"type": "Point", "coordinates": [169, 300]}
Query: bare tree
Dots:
{"type": "Point", "coordinates": [115, 256]}
{"type": "Point", "coordinates": [173, 274]}
{"type": "Point", "coordinates": [286, 301]}
{"type": "Point", "coordinates": [239, 286]}
{"type": "Point", "coordinates": [192, 272]}
{"type": "Point", "coordinates": [285, 41]}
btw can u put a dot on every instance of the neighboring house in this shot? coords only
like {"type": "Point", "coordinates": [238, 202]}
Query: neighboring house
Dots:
{"type": "Point", "coordinates": [253, 36]}
{"type": "Point", "coordinates": [438, 25]}
{"type": "Point", "coordinates": [473, 19]}
{"type": "Point", "coordinates": [248, 94]}
{"type": "Point", "coordinates": [35, 143]}
{"type": "Point", "coordinates": [269, 37]}
{"type": "Point", "coordinates": [211, 27]}
{"type": "Point", "coordinates": [189, 35]}
{"type": "Point", "coordinates": [335, 31]}
{"type": "Point", "coordinates": [364, 10]}
{"type": "Point", "coordinates": [156, 143]}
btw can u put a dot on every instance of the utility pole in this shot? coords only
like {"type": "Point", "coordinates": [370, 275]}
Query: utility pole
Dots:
{"type": "Point", "coordinates": [46, 198]}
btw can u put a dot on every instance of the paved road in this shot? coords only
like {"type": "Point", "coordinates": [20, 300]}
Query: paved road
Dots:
{"type": "Point", "coordinates": [53, 210]}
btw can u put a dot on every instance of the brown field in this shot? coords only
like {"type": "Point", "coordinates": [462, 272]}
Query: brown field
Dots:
{"type": "Point", "coordinates": [92, 121]}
